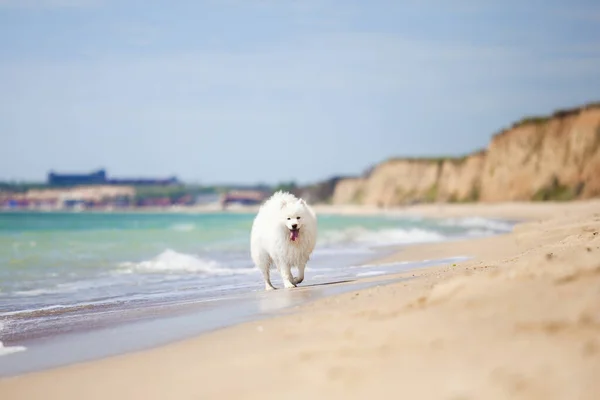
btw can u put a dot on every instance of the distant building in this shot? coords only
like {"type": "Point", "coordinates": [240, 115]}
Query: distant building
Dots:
{"type": "Point", "coordinates": [94, 178]}
{"type": "Point", "coordinates": [100, 178]}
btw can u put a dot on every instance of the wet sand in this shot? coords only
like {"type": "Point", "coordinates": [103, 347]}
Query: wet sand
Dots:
{"type": "Point", "coordinates": [102, 332]}
{"type": "Point", "coordinates": [520, 320]}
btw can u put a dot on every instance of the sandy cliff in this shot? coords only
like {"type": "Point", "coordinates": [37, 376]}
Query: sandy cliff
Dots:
{"type": "Point", "coordinates": [542, 158]}
{"type": "Point", "coordinates": [545, 158]}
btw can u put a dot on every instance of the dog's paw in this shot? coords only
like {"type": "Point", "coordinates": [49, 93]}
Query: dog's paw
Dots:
{"type": "Point", "coordinates": [289, 285]}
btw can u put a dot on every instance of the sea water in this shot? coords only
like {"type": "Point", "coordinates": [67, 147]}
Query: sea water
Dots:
{"type": "Point", "coordinates": [63, 271]}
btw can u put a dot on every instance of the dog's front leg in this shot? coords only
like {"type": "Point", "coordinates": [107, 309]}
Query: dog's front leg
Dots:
{"type": "Point", "coordinates": [300, 277]}
{"type": "Point", "coordinates": [287, 277]}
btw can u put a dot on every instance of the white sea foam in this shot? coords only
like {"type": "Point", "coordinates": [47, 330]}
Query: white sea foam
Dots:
{"type": "Point", "coordinates": [382, 237]}
{"type": "Point", "coordinates": [30, 311]}
{"type": "Point", "coordinates": [170, 261]}
{"type": "Point", "coordinates": [66, 287]}
{"type": "Point", "coordinates": [10, 349]}
{"type": "Point", "coordinates": [369, 273]}
{"type": "Point", "coordinates": [34, 292]}
{"type": "Point", "coordinates": [183, 227]}
{"type": "Point", "coordinates": [57, 309]}
{"type": "Point", "coordinates": [482, 224]}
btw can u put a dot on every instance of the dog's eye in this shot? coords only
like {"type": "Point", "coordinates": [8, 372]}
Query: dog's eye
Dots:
{"type": "Point", "coordinates": [297, 217]}
{"type": "Point", "coordinates": [289, 218]}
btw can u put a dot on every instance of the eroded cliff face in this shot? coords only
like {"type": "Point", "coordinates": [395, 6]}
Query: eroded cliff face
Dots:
{"type": "Point", "coordinates": [548, 158]}
{"type": "Point", "coordinates": [349, 191]}
{"type": "Point", "coordinates": [398, 181]}
{"type": "Point", "coordinates": [460, 179]}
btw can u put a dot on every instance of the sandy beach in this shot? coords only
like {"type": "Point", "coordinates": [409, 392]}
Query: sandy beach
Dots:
{"type": "Point", "coordinates": [519, 320]}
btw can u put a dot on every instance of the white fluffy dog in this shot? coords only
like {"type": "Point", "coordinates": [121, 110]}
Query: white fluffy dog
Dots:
{"type": "Point", "coordinates": [284, 233]}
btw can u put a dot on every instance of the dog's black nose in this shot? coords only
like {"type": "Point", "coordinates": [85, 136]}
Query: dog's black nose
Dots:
{"type": "Point", "coordinates": [294, 226]}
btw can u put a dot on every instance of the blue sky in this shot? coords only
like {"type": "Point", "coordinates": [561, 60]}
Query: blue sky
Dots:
{"type": "Point", "coordinates": [267, 91]}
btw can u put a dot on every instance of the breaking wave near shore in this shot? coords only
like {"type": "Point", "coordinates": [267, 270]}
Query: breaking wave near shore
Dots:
{"type": "Point", "coordinates": [170, 261]}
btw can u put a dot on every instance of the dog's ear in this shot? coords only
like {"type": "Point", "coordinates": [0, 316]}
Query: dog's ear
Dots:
{"type": "Point", "coordinates": [301, 202]}
{"type": "Point", "coordinates": [283, 204]}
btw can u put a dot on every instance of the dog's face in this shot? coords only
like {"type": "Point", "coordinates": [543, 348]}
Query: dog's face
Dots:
{"type": "Point", "coordinates": [293, 218]}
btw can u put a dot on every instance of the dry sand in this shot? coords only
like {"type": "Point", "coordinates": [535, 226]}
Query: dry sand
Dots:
{"type": "Point", "coordinates": [520, 321]}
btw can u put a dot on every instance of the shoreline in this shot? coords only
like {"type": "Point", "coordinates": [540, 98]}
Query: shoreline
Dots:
{"type": "Point", "coordinates": [162, 326]}
{"type": "Point", "coordinates": [120, 331]}
{"type": "Point", "coordinates": [511, 282]}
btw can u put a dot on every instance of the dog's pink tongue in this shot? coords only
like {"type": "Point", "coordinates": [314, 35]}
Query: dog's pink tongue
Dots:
{"type": "Point", "coordinates": [293, 235]}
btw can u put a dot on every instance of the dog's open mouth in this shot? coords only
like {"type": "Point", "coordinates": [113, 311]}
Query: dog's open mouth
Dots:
{"type": "Point", "coordinates": [294, 234]}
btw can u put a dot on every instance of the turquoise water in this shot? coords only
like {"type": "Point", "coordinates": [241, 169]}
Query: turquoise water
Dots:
{"type": "Point", "coordinates": [57, 264]}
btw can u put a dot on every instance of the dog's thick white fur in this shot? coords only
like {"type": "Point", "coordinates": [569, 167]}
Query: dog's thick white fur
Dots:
{"type": "Point", "coordinates": [284, 233]}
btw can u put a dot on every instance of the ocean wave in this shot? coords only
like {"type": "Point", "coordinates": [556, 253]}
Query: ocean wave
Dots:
{"type": "Point", "coordinates": [48, 311]}
{"type": "Point", "coordinates": [170, 261]}
{"type": "Point", "coordinates": [34, 292]}
{"type": "Point", "coordinates": [4, 350]}
{"type": "Point", "coordinates": [183, 227]}
{"type": "Point", "coordinates": [369, 273]}
{"type": "Point", "coordinates": [66, 287]}
{"type": "Point", "coordinates": [381, 237]}
{"type": "Point", "coordinates": [10, 349]}
{"type": "Point", "coordinates": [482, 224]}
